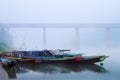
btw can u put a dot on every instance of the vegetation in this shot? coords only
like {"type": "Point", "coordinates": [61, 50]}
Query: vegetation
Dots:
{"type": "Point", "coordinates": [3, 47]}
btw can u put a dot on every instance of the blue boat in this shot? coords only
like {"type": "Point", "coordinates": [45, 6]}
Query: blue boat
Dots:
{"type": "Point", "coordinates": [61, 56]}
{"type": "Point", "coordinates": [7, 62]}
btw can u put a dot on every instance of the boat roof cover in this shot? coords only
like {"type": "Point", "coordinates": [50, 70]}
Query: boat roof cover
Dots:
{"type": "Point", "coordinates": [55, 52]}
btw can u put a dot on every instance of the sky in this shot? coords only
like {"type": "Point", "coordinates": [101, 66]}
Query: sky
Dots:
{"type": "Point", "coordinates": [60, 11]}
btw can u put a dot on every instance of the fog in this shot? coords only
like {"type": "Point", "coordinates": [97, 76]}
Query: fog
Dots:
{"type": "Point", "coordinates": [5, 38]}
{"type": "Point", "coordinates": [47, 36]}
{"type": "Point", "coordinates": [60, 11]}
{"type": "Point", "coordinates": [53, 24]}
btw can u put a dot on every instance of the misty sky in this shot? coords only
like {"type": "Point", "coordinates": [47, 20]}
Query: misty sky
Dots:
{"type": "Point", "coordinates": [23, 13]}
{"type": "Point", "coordinates": [60, 11]}
{"type": "Point", "coordinates": [58, 38]}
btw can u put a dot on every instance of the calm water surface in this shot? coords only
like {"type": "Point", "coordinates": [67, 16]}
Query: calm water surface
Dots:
{"type": "Point", "coordinates": [31, 71]}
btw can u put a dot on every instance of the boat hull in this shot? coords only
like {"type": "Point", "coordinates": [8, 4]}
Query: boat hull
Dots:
{"type": "Point", "coordinates": [78, 59]}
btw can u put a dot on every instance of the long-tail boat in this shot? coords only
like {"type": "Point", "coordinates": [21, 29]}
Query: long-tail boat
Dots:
{"type": "Point", "coordinates": [61, 56]}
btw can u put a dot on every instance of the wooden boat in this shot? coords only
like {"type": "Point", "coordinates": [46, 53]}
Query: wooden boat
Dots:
{"type": "Point", "coordinates": [48, 56]}
{"type": "Point", "coordinates": [7, 62]}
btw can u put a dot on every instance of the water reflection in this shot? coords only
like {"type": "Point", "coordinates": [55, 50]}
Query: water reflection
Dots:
{"type": "Point", "coordinates": [10, 72]}
{"type": "Point", "coordinates": [62, 67]}
{"type": "Point", "coordinates": [53, 68]}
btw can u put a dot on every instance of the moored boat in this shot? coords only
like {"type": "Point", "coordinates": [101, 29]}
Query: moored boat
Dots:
{"type": "Point", "coordinates": [48, 56]}
{"type": "Point", "coordinates": [7, 62]}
